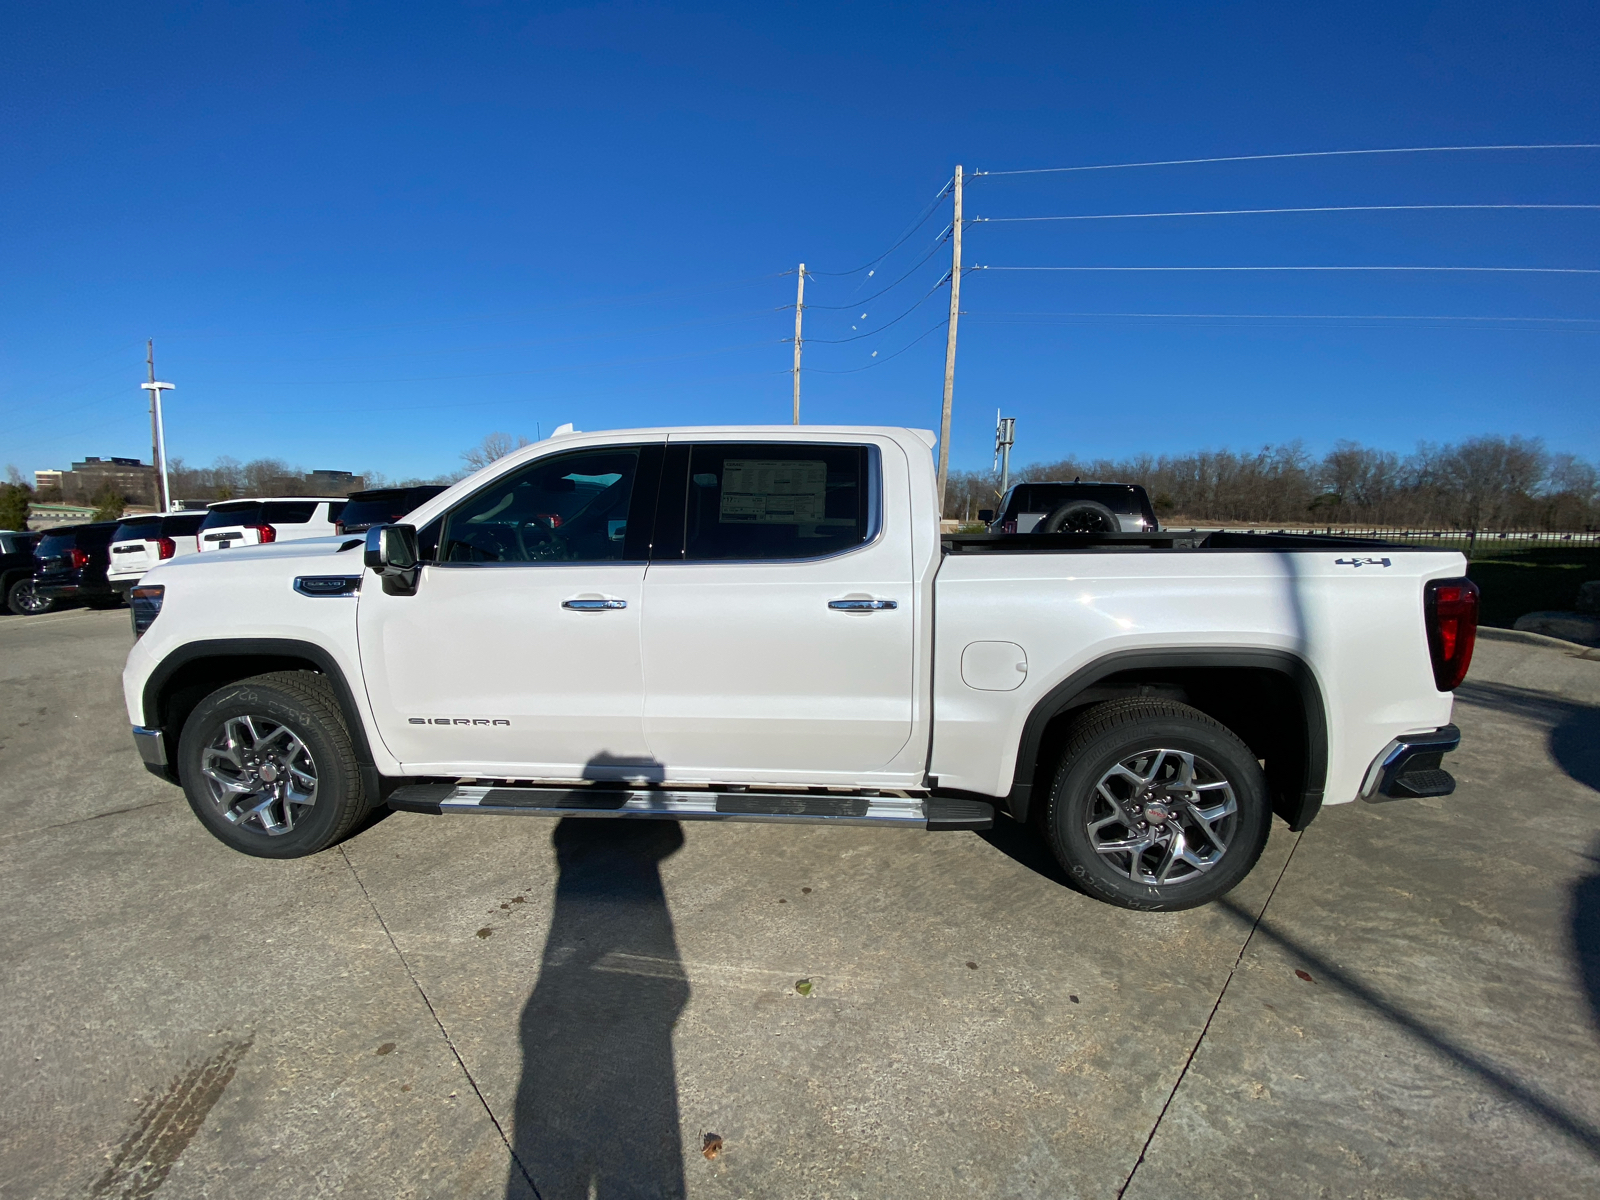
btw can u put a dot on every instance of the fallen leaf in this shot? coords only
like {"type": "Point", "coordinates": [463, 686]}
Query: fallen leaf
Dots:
{"type": "Point", "coordinates": [973, 965]}
{"type": "Point", "coordinates": [386, 1048]}
{"type": "Point", "coordinates": [1074, 999]}
{"type": "Point", "coordinates": [1301, 974]}
{"type": "Point", "coordinates": [803, 986]}
{"type": "Point", "coordinates": [485, 932]}
{"type": "Point", "coordinates": [711, 1146]}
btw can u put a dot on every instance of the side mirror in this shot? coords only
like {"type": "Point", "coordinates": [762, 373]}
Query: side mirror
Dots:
{"type": "Point", "coordinates": [986, 515]}
{"type": "Point", "coordinates": [391, 551]}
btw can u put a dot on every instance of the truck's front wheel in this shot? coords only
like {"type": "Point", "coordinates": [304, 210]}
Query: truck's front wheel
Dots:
{"type": "Point", "coordinates": [268, 767]}
{"type": "Point", "coordinates": [1156, 806]}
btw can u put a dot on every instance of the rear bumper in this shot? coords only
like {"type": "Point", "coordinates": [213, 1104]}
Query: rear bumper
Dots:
{"type": "Point", "coordinates": [63, 589]}
{"type": "Point", "coordinates": [1411, 766]}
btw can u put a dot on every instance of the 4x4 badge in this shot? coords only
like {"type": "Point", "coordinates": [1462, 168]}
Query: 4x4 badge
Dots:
{"type": "Point", "coordinates": [1362, 562]}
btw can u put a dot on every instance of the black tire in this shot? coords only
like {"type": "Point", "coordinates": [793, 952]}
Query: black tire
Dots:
{"type": "Point", "coordinates": [24, 601]}
{"type": "Point", "coordinates": [1101, 745]}
{"type": "Point", "coordinates": [1080, 516]}
{"type": "Point", "coordinates": [302, 704]}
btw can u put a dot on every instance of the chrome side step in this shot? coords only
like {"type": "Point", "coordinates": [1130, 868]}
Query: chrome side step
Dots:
{"type": "Point", "coordinates": [914, 812]}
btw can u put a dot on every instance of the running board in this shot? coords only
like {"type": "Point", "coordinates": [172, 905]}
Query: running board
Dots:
{"type": "Point", "coordinates": [914, 812]}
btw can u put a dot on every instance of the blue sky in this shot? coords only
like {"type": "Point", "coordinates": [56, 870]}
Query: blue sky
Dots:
{"type": "Point", "coordinates": [365, 235]}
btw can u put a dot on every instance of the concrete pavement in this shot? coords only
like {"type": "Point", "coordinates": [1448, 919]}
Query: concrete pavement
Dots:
{"type": "Point", "coordinates": [1400, 1002]}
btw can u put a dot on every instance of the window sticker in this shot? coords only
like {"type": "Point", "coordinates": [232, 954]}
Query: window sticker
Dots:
{"type": "Point", "coordinates": [763, 491]}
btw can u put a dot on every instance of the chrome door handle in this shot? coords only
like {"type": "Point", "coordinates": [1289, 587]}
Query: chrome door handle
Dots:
{"type": "Point", "coordinates": [862, 605]}
{"type": "Point", "coordinates": [593, 605]}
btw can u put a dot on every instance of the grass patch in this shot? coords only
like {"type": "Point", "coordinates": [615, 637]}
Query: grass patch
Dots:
{"type": "Point", "coordinates": [1524, 581]}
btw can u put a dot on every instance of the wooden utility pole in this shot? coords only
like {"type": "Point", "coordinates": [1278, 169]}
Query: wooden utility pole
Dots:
{"type": "Point", "coordinates": [799, 308]}
{"type": "Point", "coordinates": [950, 342]}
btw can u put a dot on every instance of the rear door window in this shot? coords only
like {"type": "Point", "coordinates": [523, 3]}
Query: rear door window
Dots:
{"type": "Point", "coordinates": [136, 531]}
{"type": "Point", "coordinates": [773, 501]}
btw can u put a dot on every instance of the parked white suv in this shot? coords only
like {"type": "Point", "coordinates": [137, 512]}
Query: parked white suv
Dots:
{"type": "Point", "coordinates": [252, 522]}
{"type": "Point", "coordinates": [141, 542]}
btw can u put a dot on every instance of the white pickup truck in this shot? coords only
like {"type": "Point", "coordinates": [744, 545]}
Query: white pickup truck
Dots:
{"type": "Point", "coordinates": [765, 624]}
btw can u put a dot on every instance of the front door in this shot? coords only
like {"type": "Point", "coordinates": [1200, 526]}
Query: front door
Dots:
{"type": "Point", "coordinates": [778, 621]}
{"type": "Point", "coordinates": [518, 654]}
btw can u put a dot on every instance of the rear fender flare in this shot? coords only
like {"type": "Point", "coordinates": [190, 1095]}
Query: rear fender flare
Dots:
{"type": "Point", "coordinates": [1298, 810]}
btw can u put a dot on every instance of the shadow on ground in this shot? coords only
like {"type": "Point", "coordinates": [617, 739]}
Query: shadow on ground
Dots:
{"type": "Point", "coordinates": [1574, 740]}
{"type": "Point", "coordinates": [597, 1107]}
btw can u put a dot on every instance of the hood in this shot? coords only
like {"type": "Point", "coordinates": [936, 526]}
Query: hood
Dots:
{"type": "Point", "coordinates": [346, 549]}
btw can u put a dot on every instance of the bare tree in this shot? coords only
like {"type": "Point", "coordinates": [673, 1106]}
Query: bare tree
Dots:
{"type": "Point", "coordinates": [495, 446]}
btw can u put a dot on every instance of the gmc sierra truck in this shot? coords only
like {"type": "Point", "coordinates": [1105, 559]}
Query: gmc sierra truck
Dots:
{"type": "Point", "coordinates": [765, 624]}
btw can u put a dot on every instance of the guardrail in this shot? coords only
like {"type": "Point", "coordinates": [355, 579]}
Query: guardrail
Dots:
{"type": "Point", "coordinates": [1469, 541]}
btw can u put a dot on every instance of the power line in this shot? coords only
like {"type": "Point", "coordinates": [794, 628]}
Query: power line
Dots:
{"type": "Point", "coordinates": [1501, 270]}
{"type": "Point", "coordinates": [1328, 208]}
{"type": "Point", "coordinates": [915, 225]}
{"type": "Point", "coordinates": [886, 325]}
{"type": "Point", "coordinates": [1184, 162]}
{"type": "Point", "coordinates": [934, 249]}
{"type": "Point", "coordinates": [1297, 316]}
{"type": "Point", "coordinates": [879, 362]}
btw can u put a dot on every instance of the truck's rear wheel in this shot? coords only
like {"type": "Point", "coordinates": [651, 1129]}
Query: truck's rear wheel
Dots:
{"type": "Point", "coordinates": [1156, 806]}
{"type": "Point", "coordinates": [268, 766]}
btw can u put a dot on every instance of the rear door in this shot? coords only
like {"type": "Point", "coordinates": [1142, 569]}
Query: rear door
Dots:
{"type": "Point", "coordinates": [778, 615]}
{"type": "Point", "coordinates": [518, 654]}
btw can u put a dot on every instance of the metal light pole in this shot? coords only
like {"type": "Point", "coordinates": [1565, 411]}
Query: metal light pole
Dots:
{"type": "Point", "coordinates": [164, 498]}
{"type": "Point", "coordinates": [1005, 436]}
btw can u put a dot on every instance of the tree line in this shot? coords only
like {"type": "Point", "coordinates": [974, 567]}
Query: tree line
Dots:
{"type": "Point", "coordinates": [1481, 483]}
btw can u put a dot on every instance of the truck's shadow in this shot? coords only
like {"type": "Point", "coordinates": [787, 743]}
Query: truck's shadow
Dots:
{"type": "Point", "coordinates": [1574, 742]}
{"type": "Point", "coordinates": [597, 1108]}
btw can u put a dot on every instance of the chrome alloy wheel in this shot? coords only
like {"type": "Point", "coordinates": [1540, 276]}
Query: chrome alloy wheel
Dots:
{"type": "Point", "coordinates": [260, 775]}
{"type": "Point", "coordinates": [1162, 816]}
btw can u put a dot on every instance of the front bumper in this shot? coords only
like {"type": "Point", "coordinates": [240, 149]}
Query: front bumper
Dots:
{"type": "Point", "coordinates": [152, 747]}
{"type": "Point", "coordinates": [1411, 766]}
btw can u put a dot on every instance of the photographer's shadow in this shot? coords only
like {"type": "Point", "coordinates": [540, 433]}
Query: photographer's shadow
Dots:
{"type": "Point", "coordinates": [597, 1108]}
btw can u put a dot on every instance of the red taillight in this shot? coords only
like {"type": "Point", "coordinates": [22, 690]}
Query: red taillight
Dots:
{"type": "Point", "coordinates": [165, 547]}
{"type": "Point", "coordinates": [1451, 615]}
{"type": "Point", "coordinates": [78, 558]}
{"type": "Point", "coordinates": [264, 533]}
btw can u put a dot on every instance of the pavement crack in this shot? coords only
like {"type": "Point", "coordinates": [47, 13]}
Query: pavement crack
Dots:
{"type": "Point", "coordinates": [443, 1032]}
{"type": "Point", "coordinates": [115, 812]}
{"type": "Point", "coordinates": [1211, 1016]}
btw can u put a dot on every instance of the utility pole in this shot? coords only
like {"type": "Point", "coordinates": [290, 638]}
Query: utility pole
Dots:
{"type": "Point", "coordinates": [158, 441]}
{"type": "Point", "coordinates": [799, 308]}
{"type": "Point", "coordinates": [950, 342]}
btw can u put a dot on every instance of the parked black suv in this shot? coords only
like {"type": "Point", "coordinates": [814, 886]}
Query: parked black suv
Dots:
{"type": "Point", "coordinates": [1073, 508]}
{"type": "Point", "coordinates": [70, 563]}
{"type": "Point", "coordinates": [16, 573]}
{"type": "Point", "coordinates": [382, 506]}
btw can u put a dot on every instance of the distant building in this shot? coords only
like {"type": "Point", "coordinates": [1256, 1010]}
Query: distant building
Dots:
{"type": "Point", "coordinates": [128, 477]}
{"type": "Point", "coordinates": [333, 483]}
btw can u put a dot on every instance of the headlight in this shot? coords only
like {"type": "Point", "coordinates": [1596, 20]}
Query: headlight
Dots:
{"type": "Point", "coordinates": [145, 601]}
